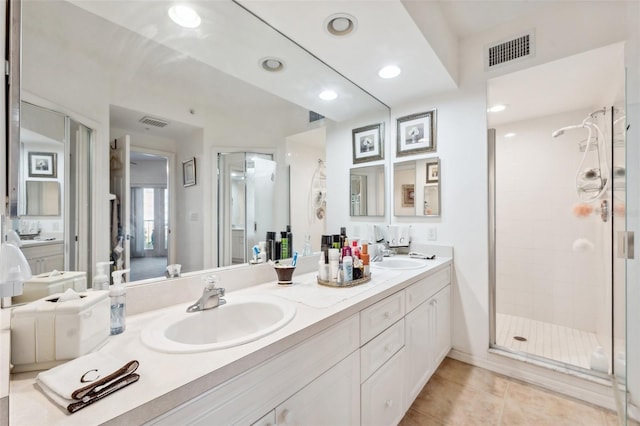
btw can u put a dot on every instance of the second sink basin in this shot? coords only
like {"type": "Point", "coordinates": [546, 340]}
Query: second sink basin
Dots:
{"type": "Point", "coordinates": [399, 263]}
{"type": "Point", "coordinates": [243, 319]}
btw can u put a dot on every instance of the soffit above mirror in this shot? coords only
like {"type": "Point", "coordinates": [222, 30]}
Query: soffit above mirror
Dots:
{"type": "Point", "coordinates": [302, 79]}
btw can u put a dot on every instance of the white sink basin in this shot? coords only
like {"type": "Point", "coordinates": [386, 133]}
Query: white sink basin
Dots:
{"type": "Point", "coordinates": [400, 263]}
{"type": "Point", "coordinates": [241, 320]}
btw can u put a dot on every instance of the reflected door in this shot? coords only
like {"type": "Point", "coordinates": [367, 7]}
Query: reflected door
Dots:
{"type": "Point", "coordinates": [120, 185]}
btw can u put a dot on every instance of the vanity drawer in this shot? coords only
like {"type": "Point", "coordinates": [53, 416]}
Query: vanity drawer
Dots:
{"type": "Point", "coordinates": [426, 288]}
{"type": "Point", "coordinates": [378, 317]}
{"type": "Point", "coordinates": [380, 349]}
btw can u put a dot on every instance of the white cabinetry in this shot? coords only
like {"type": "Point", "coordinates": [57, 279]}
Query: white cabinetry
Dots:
{"type": "Point", "coordinates": [246, 398]}
{"type": "Point", "coordinates": [428, 330]}
{"type": "Point", "coordinates": [366, 370]}
{"type": "Point", "coordinates": [44, 257]}
{"type": "Point", "coordinates": [331, 399]}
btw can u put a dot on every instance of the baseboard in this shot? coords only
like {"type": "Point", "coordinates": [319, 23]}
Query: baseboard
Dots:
{"type": "Point", "coordinates": [594, 391]}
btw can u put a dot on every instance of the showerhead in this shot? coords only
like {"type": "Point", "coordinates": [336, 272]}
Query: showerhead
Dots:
{"type": "Point", "coordinates": [560, 131]}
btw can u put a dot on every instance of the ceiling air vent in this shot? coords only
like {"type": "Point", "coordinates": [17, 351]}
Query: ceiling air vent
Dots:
{"type": "Point", "coordinates": [314, 116]}
{"type": "Point", "coordinates": [151, 121]}
{"type": "Point", "coordinates": [507, 51]}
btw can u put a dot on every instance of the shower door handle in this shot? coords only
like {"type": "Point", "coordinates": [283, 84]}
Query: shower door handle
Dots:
{"type": "Point", "coordinates": [626, 245]}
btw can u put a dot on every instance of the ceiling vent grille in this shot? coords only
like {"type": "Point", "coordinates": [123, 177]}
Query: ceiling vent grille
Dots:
{"type": "Point", "coordinates": [314, 116]}
{"type": "Point", "coordinates": [151, 121]}
{"type": "Point", "coordinates": [507, 51]}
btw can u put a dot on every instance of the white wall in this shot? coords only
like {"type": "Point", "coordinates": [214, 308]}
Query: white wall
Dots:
{"type": "Point", "coordinates": [462, 147]}
{"type": "Point", "coordinates": [303, 152]}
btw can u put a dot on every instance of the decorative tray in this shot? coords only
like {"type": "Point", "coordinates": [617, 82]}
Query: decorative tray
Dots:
{"type": "Point", "coordinates": [352, 283]}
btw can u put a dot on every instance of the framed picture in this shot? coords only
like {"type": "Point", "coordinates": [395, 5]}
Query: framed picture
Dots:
{"type": "Point", "coordinates": [367, 143]}
{"type": "Point", "coordinates": [189, 172]}
{"type": "Point", "coordinates": [42, 164]}
{"type": "Point", "coordinates": [432, 173]}
{"type": "Point", "coordinates": [416, 133]}
{"type": "Point", "coordinates": [408, 195]}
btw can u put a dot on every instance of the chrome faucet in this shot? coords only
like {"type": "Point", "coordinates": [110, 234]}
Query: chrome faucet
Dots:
{"type": "Point", "coordinates": [382, 251]}
{"type": "Point", "coordinates": [211, 296]}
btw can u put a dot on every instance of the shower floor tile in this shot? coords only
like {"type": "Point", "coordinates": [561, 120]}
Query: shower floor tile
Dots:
{"type": "Point", "coordinates": [544, 339]}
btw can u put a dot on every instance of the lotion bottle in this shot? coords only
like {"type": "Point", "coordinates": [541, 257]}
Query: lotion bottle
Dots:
{"type": "Point", "coordinates": [364, 255]}
{"type": "Point", "coordinates": [117, 294]}
{"type": "Point", "coordinates": [101, 278]}
{"type": "Point", "coordinates": [347, 266]}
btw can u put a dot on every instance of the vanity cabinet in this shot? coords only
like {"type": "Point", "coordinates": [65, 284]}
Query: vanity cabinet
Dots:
{"type": "Point", "coordinates": [428, 330]}
{"type": "Point", "coordinates": [44, 257]}
{"type": "Point", "coordinates": [317, 379]}
{"type": "Point", "coordinates": [367, 369]}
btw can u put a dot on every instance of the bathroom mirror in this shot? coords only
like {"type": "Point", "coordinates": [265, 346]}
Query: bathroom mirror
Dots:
{"type": "Point", "coordinates": [416, 187]}
{"type": "Point", "coordinates": [367, 191]}
{"type": "Point", "coordinates": [126, 69]}
{"type": "Point", "coordinates": [43, 198]}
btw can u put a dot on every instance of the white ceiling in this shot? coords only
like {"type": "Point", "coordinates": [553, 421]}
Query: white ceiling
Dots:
{"type": "Point", "coordinates": [387, 33]}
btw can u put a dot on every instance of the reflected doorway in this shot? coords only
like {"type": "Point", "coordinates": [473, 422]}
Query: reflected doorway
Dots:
{"type": "Point", "coordinates": [246, 204]}
{"type": "Point", "coordinates": [149, 214]}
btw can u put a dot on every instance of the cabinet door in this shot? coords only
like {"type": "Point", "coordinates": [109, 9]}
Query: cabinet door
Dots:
{"type": "Point", "coordinates": [331, 399]}
{"type": "Point", "coordinates": [442, 324]}
{"type": "Point", "coordinates": [383, 394]}
{"type": "Point", "coordinates": [418, 349]}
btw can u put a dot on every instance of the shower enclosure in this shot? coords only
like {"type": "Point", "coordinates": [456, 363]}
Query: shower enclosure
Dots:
{"type": "Point", "coordinates": [557, 208]}
{"type": "Point", "coordinates": [249, 203]}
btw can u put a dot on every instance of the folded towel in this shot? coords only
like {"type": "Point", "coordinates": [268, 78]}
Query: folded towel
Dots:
{"type": "Point", "coordinates": [399, 235]}
{"type": "Point", "coordinates": [86, 379]}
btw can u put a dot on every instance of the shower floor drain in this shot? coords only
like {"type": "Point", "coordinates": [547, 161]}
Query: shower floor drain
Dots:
{"type": "Point", "coordinates": [520, 338]}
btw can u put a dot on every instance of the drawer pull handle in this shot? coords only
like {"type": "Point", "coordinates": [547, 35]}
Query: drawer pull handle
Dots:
{"type": "Point", "coordinates": [389, 403]}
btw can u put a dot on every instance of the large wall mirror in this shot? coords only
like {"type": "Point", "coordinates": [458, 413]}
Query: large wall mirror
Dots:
{"type": "Point", "coordinates": [153, 91]}
{"type": "Point", "coordinates": [416, 187]}
{"type": "Point", "coordinates": [366, 191]}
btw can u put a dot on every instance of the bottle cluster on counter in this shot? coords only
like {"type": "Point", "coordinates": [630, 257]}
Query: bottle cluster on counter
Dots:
{"type": "Point", "coordinates": [276, 246]}
{"type": "Point", "coordinates": [342, 262]}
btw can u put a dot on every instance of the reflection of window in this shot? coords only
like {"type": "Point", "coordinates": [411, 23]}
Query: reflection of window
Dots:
{"type": "Point", "coordinates": [148, 214]}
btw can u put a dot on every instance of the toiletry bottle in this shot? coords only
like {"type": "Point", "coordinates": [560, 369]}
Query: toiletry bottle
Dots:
{"type": "Point", "coordinates": [334, 263]}
{"type": "Point", "coordinates": [290, 240]}
{"type": "Point", "coordinates": [101, 278]}
{"type": "Point", "coordinates": [323, 270]}
{"type": "Point", "coordinates": [117, 294]}
{"type": "Point", "coordinates": [347, 267]}
{"type": "Point", "coordinates": [271, 245]}
{"type": "Point", "coordinates": [336, 241]}
{"type": "Point", "coordinates": [284, 245]}
{"type": "Point", "coordinates": [355, 250]}
{"type": "Point", "coordinates": [346, 250]}
{"type": "Point", "coordinates": [364, 255]}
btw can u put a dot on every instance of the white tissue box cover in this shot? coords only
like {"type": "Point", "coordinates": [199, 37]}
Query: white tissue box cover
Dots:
{"type": "Point", "coordinates": [45, 333]}
{"type": "Point", "coordinates": [43, 285]}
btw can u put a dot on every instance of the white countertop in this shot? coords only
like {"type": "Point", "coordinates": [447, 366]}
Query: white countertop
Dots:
{"type": "Point", "coordinates": [168, 380]}
{"type": "Point", "coordinates": [32, 243]}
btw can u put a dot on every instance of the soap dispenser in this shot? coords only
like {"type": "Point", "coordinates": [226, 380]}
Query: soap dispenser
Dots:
{"type": "Point", "coordinates": [117, 294]}
{"type": "Point", "coordinates": [101, 278]}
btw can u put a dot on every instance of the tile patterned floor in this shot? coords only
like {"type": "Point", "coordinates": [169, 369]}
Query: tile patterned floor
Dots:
{"type": "Point", "coordinates": [461, 394]}
{"type": "Point", "coordinates": [547, 340]}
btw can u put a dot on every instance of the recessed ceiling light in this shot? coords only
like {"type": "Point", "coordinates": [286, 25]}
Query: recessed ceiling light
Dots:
{"type": "Point", "coordinates": [272, 64]}
{"type": "Point", "coordinates": [497, 108]}
{"type": "Point", "coordinates": [328, 95]}
{"type": "Point", "coordinates": [390, 71]}
{"type": "Point", "coordinates": [509, 135]}
{"type": "Point", "coordinates": [184, 16]}
{"type": "Point", "coordinates": [340, 24]}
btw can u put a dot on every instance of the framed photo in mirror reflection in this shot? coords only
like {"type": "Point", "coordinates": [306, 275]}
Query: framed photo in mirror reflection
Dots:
{"type": "Point", "coordinates": [189, 172]}
{"type": "Point", "coordinates": [42, 164]}
{"type": "Point", "coordinates": [432, 172]}
{"type": "Point", "coordinates": [367, 143]}
{"type": "Point", "coordinates": [408, 195]}
{"type": "Point", "coordinates": [416, 133]}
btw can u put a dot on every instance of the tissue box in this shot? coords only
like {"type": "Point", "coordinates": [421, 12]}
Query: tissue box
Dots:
{"type": "Point", "coordinates": [43, 285]}
{"type": "Point", "coordinates": [46, 332]}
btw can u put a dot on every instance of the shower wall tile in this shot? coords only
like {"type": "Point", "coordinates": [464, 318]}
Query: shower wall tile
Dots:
{"type": "Point", "coordinates": [539, 274]}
